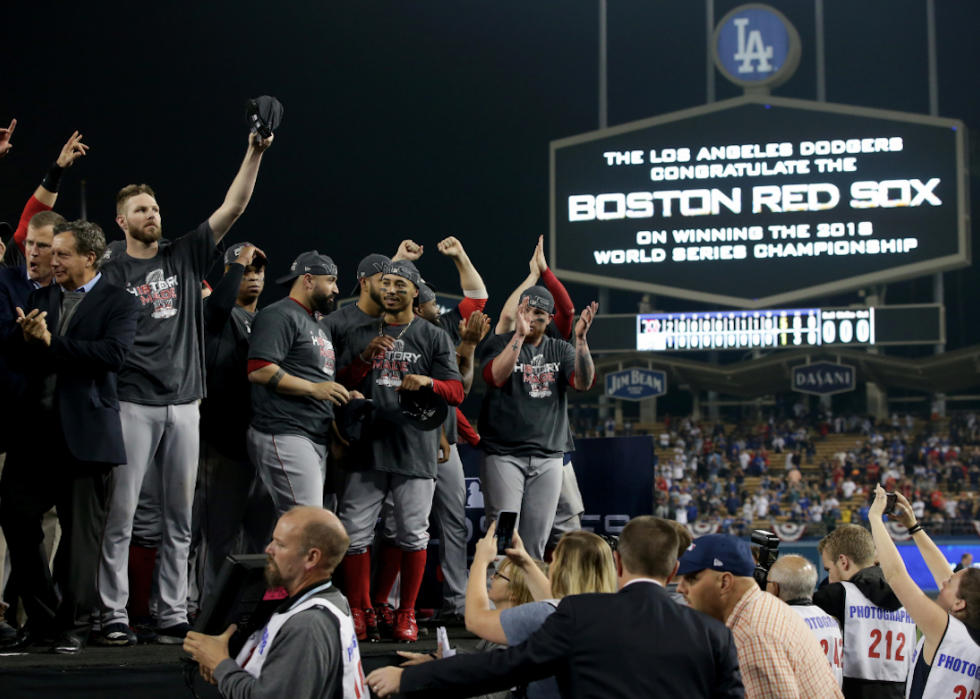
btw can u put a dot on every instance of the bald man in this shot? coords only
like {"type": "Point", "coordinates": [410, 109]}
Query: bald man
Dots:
{"type": "Point", "coordinates": [792, 579]}
{"type": "Point", "coordinates": [308, 649]}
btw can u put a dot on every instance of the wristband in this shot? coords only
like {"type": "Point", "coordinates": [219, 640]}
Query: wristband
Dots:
{"type": "Point", "coordinates": [53, 178]}
{"type": "Point", "coordinates": [433, 656]}
{"type": "Point", "coordinates": [915, 529]}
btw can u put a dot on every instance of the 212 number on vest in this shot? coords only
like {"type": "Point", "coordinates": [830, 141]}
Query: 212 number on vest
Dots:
{"type": "Point", "coordinates": [876, 636]}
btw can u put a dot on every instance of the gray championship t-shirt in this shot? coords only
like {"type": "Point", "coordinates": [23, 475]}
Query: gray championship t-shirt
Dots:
{"type": "Point", "coordinates": [518, 624]}
{"type": "Point", "coordinates": [392, 445]}
{"type": "Point", "coordinates": [528, 415]}
{"type": "Point", "coordinates": [166, 364]}
{"type": "Point", "coordinates": [287, 335]}
{"type": "Point", "coordinates": [344, 321]}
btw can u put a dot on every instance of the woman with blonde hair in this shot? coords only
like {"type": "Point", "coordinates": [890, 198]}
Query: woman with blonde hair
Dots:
{"type": "Point", "coordinates": [582, 563]}
{"type": "Point", "coordinates": [508, 589]}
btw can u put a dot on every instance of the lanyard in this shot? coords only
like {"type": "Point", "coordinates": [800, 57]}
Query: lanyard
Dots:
{"type": "Point", "coordinates": [309, 594]}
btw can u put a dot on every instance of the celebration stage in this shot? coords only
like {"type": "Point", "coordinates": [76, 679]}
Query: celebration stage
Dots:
{"type": "Point", "coordinates": [153, 671]}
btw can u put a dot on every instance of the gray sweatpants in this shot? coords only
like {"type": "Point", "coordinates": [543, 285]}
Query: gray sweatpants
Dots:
{"type": "Point", "coordinates": [361, 500]}
{"type": "Point", "coordinates": [292, 468]}
{"type": "Point", "coordinates": [528, 485]}
{"type": "Point", "coordinates": [168, 434]}
{"type": "Point", "coordinates": [570, 506]}
{"type": "Point", "coordinates": [449, 510]}
{"type": "Point", "coordinates": [233, 513]}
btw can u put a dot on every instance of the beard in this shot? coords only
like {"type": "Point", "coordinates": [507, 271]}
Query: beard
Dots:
{"type": "Point", "coordinates": [375, 295]}
{"type": "Point", "coordinates": [273, 578]}
{"type": "Point", "coordinates": [144, 236]}
{"type": "Point", "coordinates": [321, 301]}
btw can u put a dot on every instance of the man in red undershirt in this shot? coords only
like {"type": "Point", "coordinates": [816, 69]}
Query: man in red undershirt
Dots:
{"type": "Point", "coordinates": [403, 353]}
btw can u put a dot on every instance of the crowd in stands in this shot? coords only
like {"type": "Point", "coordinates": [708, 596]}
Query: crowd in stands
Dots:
{"type": "Point", "coordinates": [732, 477]}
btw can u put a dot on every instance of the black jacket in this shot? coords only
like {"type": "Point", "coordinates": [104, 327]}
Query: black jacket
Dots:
{"type": "Point", "coordinates": [85, 359]}
{"type": "Point", "coordinates": [871, 583]}
{"type": "Point", "coordinates": [635, 644]}
{"type": "Point", "coordinates": [227, 410]}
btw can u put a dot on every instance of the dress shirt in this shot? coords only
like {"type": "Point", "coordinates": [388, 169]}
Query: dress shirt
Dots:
{"type": "Point", "coordinates": [779, 656]}
{"type": "Point", "coordinates": [85, 288]}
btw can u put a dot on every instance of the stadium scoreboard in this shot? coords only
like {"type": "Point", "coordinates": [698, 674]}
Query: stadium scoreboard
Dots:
{"type": "Point", "coordinates": [758, 202]}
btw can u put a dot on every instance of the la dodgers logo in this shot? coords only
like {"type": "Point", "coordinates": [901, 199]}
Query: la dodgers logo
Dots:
{"type": "Point", "coordinates": [752, 50]}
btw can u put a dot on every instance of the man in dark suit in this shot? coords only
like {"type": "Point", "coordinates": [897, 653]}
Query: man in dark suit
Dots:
{"type": "Point", "coordinates": [73, 338]}
{"type": "Point", "coordinates": [638, 643]}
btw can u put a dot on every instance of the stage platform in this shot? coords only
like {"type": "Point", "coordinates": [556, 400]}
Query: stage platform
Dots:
{"type": "Point", "coordinates": [153, 671]}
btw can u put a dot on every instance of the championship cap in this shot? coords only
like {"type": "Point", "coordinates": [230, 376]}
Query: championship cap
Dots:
{"type": "Point", "coordinates": [235, 250]}
{"type": "Point", "coordinates": [426, 293]}
{"type": "Point", "coordinates": [424, 409]}
{"type": "Point", "coordinates": [406, 270]}
{"type": "Point", "coordinates": [722, 552]}
{"type": "Point", "coordinates": [368, 267]}
{"type": "Point", "coordinates": [538, 297]}
{"type": "Point", "coordinates": [350, 418]}
{"type": "Point", "coordinates": [263, 115]}
{"type": "Point", "coordinates": [310, 262]}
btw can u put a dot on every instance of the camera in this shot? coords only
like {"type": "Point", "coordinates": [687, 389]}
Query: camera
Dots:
{"type": "Point", "coordinates": [768, 544]}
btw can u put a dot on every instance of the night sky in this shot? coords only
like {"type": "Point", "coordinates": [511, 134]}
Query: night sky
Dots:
{"type": "Point", "coordinates": [413, 119]}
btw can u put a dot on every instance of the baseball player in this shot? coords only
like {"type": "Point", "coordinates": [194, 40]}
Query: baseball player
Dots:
{"type": "Point", "coordinates": [404, 354]}
{"type": "Point", "coordinates": [524, 418]}
{"type": "Point", "coordinates": [292, 366]}
{"type": "Point", "coordinates": [571, 507]}
{"type": "Point", "coordinates": [449, 503]}
{"type": "Point", "coordinates": [159, 389]}
{"type": "Point", "coordinates": [230, 498]}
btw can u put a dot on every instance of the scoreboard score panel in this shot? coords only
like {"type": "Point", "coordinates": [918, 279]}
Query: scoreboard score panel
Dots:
{"type": "Point", "coordinates": [784, 328]}
{"type": "Point", "coordinates": [759, 201]}
{"type": "Point", "coordinates": [776, 329]}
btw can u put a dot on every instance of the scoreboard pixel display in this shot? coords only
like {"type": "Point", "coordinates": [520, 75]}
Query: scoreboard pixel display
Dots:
{"type": "Point", "coordinates": [760, 201]}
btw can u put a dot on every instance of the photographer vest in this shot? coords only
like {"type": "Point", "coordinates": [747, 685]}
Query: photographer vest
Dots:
{"type": "Point", "coordinates": [828, 633]}
{"type": "Point", "coordinates": [253, 654]}
{"type": "Point", "coordinates": [878, 644]}
{"type": "Point", "coordinates": [955, 669]}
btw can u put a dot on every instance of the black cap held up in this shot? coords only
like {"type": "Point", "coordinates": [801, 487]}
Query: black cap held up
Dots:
{"type": "Point", "coordinates": [264, 114]}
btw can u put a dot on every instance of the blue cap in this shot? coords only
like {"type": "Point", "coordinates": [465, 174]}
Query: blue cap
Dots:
{"type": "Point", "coordinates": [722, 552]}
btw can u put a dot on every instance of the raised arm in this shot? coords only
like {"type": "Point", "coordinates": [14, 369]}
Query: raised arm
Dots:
{"type": "Point", "coordinates": [502, 366]}
{"type": "Point", "coordinates": [481, 619]}
{"type": "Point", "coordinates": [928, 616]}
{"type": "Point", "coordinates": [469, 278]}
{"type": "Point", "coordinates": [508, 313]}
{"type": "Point", "coordinates": [408, 250]}
{"type": "Point", "coordinates": [564, 310]}
{"type": "Point", "coordinates": [5, 135]}
{"type": "Point", "coordinates": [241, 188]}
{"type": "Point", "coordinates": [584, 366]}
{"type": "Point", "coordinates": [46, 194]}
{"type": "Point", "coordinates": [537, 582]}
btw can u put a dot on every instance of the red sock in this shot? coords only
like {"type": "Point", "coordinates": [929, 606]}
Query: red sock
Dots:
{"type": "Point", "coordinates": [357, 579]}
{"type": "Point", "coordinates": [388, 569]}
{"type": "Point", "coordinates": [141, 562]}
{"type": "Point", "coordinates": [413, 567]}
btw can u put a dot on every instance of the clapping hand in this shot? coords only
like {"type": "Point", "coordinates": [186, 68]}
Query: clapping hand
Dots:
{"type": "Point", "coordinates": [473, 330]}
{"type": "Point", "coordinates": [34, 326]}
{"type": "Point", "coordinates": [585, 321]}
